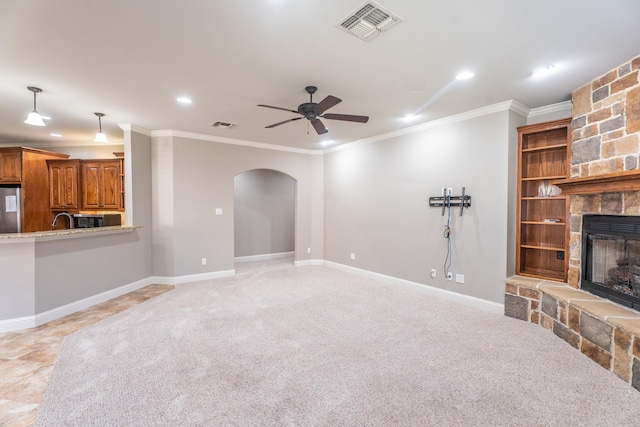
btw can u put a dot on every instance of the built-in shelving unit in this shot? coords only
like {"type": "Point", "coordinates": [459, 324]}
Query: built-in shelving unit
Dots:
{"type": "Point", "coordinates": [542, 211]}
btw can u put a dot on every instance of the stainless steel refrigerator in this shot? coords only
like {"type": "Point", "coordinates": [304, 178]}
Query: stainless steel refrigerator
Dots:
{"type": "Point", "coordinates": [10, 210]}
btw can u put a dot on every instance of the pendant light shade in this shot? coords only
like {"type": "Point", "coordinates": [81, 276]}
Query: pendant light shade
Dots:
{"type": "Point", "coordinates": [100, 136]}
{"type": "Point", "coordinates": [34, 118]}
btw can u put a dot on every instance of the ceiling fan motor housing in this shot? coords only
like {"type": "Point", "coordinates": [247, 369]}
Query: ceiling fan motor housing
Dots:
{"type": "Point", "coordinates": [310, 110]}
{"type": "Point", "coordinates": [313, 111]}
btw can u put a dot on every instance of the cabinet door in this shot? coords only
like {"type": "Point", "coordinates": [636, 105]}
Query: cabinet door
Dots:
{"type": "Point", "coordinates": [91, 185]}
{"type": "Point", "coordinates": [10, 166]}
{"type": "Point", "coordinates": [63, 185]}
{"type": "Point", "coordinates": [101, 185]}
{"type": "Point", "coordinates": [111, 185]}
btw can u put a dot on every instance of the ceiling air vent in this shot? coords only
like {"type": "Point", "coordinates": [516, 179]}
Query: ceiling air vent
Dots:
{"type": "Point", "coordinates": [223, 125]}
{"type": "Point", "coordinates": [369, 21]}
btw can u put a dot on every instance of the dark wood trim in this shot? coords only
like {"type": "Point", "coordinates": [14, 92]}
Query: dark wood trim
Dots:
{"type": "Point", "coordinates": [609, 183]}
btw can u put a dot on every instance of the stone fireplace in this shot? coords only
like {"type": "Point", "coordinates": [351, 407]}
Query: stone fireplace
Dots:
{"type": "Point", "coordinates": [604, 180]}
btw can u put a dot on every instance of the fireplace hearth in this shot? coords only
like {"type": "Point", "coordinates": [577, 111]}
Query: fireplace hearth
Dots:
{"type": "Point", "coordinates": [611, 258]}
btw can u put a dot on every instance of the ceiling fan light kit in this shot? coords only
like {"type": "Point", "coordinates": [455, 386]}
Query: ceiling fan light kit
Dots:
{"type": "Point", "coordinates": [34, 118]}
{"type": "Point", "coordinates": [315, 111]}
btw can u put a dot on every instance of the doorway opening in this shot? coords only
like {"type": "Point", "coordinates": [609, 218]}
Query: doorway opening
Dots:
{"type": "Point", "coordinates": [264, 220]}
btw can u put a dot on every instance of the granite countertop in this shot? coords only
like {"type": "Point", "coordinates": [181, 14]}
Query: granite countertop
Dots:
{"type": "Point", "coordinates": [66, 233]}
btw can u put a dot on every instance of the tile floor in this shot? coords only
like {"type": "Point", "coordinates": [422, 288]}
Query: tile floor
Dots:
{"type": "Point", "coordinates": [27, 356]}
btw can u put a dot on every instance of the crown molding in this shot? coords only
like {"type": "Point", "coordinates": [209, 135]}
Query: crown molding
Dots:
{"type": "Point", "coordinates": [550, 109]}
{"type": "Point", "coordinates": [56, 144]}
{"type": "Point", "coordinates": [233, 141]}
{"type": "Point", "coordinates": [510, 105]}
{"type": "Point", "coordinates": [128, 127]}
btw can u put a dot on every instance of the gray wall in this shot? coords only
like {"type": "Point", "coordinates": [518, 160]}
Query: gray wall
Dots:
{"type": "Point", "coordinates": [376, 204]}
{"type": "Point", "coordinates": [93, 151]}
{"type": "Point", "coordinates": [17, 282]}
{"type": "Point", "coordinates": [264, 213]}
{"type": "Point", "coordinates": [68, 270]}
{"type": "Point", "coordinates": [202, 178]}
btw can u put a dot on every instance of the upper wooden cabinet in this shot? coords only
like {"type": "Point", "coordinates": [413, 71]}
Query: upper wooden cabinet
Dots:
{"type": "Point", "coordinates": [27, 167]}
{"type": "Point", "coordinates": [101, 184]}
{"type": "Point", "coordinates": [11, 165]}
{"type": "Point", "coordinates": [64, 176]}
{"type": "Point", "coordinates": [542, 234]}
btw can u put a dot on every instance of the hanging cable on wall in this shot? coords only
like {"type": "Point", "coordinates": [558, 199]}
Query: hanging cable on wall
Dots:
{"type": "Point", "coordinates": [447, 234]}
{"type": "Point", "coordinates": [446, 201]}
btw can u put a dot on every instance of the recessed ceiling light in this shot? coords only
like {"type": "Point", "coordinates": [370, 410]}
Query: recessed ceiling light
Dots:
{"type": "Point", "coordinates": [543, 71]}
{"type": "Point", "coordinates": [409, 117]}
{"type": "Point", "coordinates": [326, 143]}
{"type": "Point", "coordinates": [183, 100]}
{"type": "Point", "coordinates": [465, 75]}
{"type": "Point", "coordinates": [57, 135]}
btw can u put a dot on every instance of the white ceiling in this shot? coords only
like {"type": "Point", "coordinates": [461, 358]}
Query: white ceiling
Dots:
{"type": "Point", "coordinates": [130, 59]}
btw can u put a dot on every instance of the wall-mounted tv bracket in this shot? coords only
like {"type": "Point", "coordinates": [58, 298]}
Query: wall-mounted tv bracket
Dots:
{"type": "Point", "coordinates": [447, 200]}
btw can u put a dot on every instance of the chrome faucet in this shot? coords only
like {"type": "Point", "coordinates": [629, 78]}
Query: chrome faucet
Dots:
{"type": "Point", "coordinates": [55, 220]}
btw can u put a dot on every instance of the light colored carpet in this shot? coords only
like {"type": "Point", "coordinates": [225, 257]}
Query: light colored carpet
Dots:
{"type": "Point", "coordinates": [317, 346]}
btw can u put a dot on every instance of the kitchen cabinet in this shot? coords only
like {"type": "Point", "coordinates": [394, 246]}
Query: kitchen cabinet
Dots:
{"type": "Point", "coordinates": [101, 183]}
{"type": "Point", "coordinates": [542, 234]}
{"type": "Point", "coordinates": [27, 168]}
{"type": "Point", "coordinates": [10, 165]}
{"type": "Point", "coordinates": [64, 176]}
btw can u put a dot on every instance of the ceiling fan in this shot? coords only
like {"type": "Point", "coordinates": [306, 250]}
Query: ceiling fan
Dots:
{"type": "Point", "coordinates": [314, 111]}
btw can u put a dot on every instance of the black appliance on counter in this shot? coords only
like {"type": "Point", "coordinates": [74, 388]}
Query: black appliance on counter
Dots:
{"type": "Point", "coordinates": [96, 220]}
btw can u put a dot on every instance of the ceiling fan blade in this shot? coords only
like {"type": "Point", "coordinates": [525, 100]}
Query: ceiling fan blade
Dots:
{"type": "Point", "coordinates": [283, 122]}
{"type": "Point", "coordinates": [278, 108]}
{"type": "Point", "coordinates": [346, 117]}
{"type": "Point", "coordinates": [318, 126]}
{"type": "Point", "coordinates": [328, 102]}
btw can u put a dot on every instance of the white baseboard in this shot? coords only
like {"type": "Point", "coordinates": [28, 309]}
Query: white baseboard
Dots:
{"type": "Point", "coordinates": [468, 300]}
{"type": "Point", "coordinates": [26, 322]}
{"type": "Point", "coordinates": [165, 280]}
{"type": "Point", "coordinates": [307, 262]}
{"type": "Point", "coordinates": [263, 256]}
{"type": "Point", "coordinates": [15, 324]}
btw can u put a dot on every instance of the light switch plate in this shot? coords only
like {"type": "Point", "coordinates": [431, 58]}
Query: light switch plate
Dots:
{"type": "Point", "coordinates": [218, 211]}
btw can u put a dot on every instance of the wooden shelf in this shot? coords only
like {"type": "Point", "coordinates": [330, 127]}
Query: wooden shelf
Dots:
{"type": "Point", "coordinates": [544, 198]}
{"type": "Point", "coordinates": [542, 247]}
{"type": "Point", "coordinates": [547, 148]}
{"type": "Point", "coordinates": [613, 182]}
{"type": "Point", "coordinates": [544, 178]}
{"type": "Point", "coordinates": [542, 223]}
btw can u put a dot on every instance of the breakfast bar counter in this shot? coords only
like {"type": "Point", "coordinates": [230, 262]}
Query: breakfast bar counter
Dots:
{"type": "Point", "coordinates": [65, 234]}
{"type": "Point", "coordinates": [49, 274]}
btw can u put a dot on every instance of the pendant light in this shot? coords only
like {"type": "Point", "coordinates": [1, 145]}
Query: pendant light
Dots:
{"type": "Point", "coordinates": [34, 118]}
{"type": "Point", "coordinates": [100, 136]}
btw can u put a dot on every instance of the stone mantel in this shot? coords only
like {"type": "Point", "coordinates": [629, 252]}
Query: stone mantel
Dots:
{"type": "Point", "coordinates": [613, 182]}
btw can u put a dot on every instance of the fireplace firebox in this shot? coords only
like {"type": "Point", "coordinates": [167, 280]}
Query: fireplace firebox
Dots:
{"type": "Point", "coordinates": [611, 258]}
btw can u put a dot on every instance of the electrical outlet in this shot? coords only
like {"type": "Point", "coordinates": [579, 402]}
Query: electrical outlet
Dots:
{"type": "Point", "coordinates": [459, 278]}
{"type": "Point", "coordinates": [449, 276]}
{"type": "Point", "coordinates": [204, 261]}
{"type": "Point", "coordinates": [433, 273]}
{"type": "Point", "coordinates": [218, 211]}
{"type": "Point", "coordinates": [353, 256]}
{"type": "Point", "coordinates": [308, 250]}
